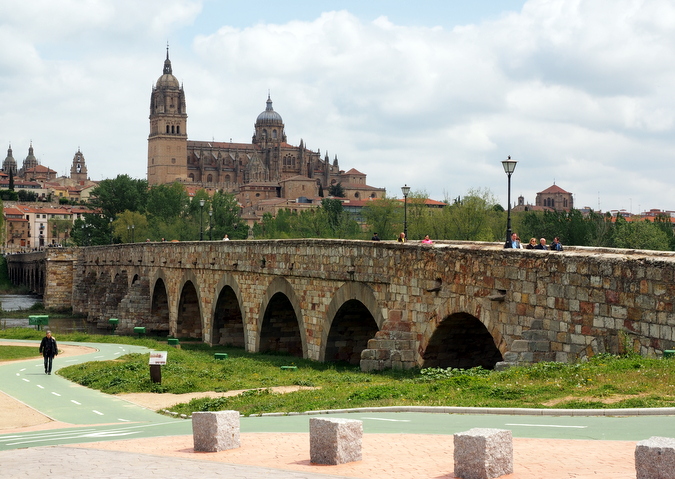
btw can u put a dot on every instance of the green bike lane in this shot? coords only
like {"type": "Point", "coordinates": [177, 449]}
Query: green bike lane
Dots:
{"type": "Point", "coordinates": [101, 417]}
{"type": "Point", "coordinates": [97, 416]}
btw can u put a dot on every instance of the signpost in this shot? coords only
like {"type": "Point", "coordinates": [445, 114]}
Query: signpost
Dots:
{"type": "Point", "coordinates": [157, 360]}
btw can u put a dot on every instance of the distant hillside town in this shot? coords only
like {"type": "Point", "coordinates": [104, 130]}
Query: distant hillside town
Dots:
{"type": "Point", "coordinates": [40, 220]}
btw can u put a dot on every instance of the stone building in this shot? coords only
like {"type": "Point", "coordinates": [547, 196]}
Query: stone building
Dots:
{"type": "Point", "coordinates": [31, 169]}
{"type": "Point", "coordinates": [268, 167]}
{"type": "Point", "coordinates": [556, 198]}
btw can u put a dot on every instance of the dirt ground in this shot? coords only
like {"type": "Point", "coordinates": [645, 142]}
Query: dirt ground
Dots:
{"type": "Point", "coordinates": [16, 415]}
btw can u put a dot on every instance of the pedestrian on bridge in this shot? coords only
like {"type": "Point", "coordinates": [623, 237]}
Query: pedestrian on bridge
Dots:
{"type": "Point", "coordinates": [49, 350]}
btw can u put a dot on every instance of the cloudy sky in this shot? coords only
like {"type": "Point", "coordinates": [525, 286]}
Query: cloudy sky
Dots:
{"type": "Point", "coordinates": [434, 94]}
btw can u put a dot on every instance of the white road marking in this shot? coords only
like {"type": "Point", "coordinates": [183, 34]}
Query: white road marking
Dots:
{"type": "Point", "coordinates": [41, 387]}
{"type": "Point", "coordinates": [75, 402]}
{"type": "Point", "coordinates": [97, 412]}
{"type": "Point", "coordinates": [117, 354]}
{"type": "Point", "coordinates": [547, 425]}
{"type": "Point", "coordinates": [55, 394]}
{"type": "Point", "coordinates": [24, 379]}
{"type": "Point", "coordinates": [43, 436]}
{"type": "Point", "coordinates": [96, 357]}
{"type": "Point", "coordinates": [18, 374]}
{"type": "Point", "coordinates": [24, 369]}
{"type": "Point", "coordinates": [123, 420]}
{"type": "Point", "coordinates": [385, 419]}
{"type": "Point", "coordinates": [71, 360]}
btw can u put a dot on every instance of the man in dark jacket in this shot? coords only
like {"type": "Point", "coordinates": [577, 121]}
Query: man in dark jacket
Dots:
{"type": "Point", "coordinates": [49, 350]}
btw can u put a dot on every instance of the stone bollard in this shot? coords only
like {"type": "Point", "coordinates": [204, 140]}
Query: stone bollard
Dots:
{"type": "Point", "coordinates": [482, 453]}
{"type": "Point", "coordinates": [335, 441]}
{"type": "Point", "coordinates": [215, 431]}
{"type": "Point", "coordinates": [655, 458]}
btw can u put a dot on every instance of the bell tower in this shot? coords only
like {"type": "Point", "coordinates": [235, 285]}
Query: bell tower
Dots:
{"type": "Point", "coordinates": [78, 170]}
{"type": "Point", "coordinates": [167, 142]}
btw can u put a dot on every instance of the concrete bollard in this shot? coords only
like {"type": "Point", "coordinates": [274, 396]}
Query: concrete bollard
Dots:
{"type": "Point", "coordinates": [482, 453]}
{"type": "Point", "coordinates": [655, 458]}
{"type": "Point", "coordinates": [335, 441]}
{"type": "Point", "coordinates": [215, 431]}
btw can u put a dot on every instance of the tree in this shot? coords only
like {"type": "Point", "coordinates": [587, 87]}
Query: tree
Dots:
{"type": "Point", "coordinates": [120, 194]}
{"type": "Point", "coordinates": [11, 179]}
{"type": "Point", "coordinates": [640, 235]}
{"type": "Point", "coordinates": [474, 218]}
{"type": "Point", "coordinates": [226, 219]}
{"type": "Point", "coordinates": [60, 228]}
{"type": "Point", "coordinates": [131, 226]}
{"type": "Point", "coordinates": [384, 217]}
{"type": "Point", "coordinates": [336, 190]}
{"type": "Point", "coordinates": [167, 201]}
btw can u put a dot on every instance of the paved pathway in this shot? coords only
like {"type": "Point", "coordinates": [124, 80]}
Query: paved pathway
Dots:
{"type": "Point", "coordinates": [74, 463]}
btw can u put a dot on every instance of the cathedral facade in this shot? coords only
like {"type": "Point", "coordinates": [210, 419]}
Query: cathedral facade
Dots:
{"type": "Point", "coordinates": [267, 168]}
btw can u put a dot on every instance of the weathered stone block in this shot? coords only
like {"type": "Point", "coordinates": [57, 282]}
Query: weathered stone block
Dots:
{"type": "Point", "coordinates": [215, 431]}
{"type": "Point", "coordinates": [655, 458]}
{"type": "Point", "coordinates": [482, 453]}
{"type": "Point", "coordinates": [335, 441]}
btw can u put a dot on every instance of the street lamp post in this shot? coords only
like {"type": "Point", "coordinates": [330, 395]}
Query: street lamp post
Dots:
{"type": "Point", "coordinates": [509, 166]}
{"type": "Point", "coordinates": [111, 231]}
{"type": "Point", "coordinates": [133, 235]}
{"type": "Point", "coordinates": [201, 219]}
{"type": "Point", "coordinates": [210, 229]}
{"type": "Point", "coordinates": [405, 190]}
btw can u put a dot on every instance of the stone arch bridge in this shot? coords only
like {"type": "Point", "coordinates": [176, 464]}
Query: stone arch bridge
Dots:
{"type": "Point", "coordinates": [378, 304]}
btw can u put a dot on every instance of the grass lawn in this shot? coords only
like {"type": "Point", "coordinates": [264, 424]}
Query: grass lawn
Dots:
{"type": "Point", "coordinates": [8, 353]}
{"type": "Point", "coordinates": [604, 381]}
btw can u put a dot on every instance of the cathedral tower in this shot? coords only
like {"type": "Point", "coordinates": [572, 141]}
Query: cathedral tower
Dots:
{"type": "Point", "coordinates": [167, 143]}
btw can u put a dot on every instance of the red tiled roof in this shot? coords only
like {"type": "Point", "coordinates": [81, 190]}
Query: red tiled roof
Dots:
{"type": "Point", "coordinates": [553, 189]}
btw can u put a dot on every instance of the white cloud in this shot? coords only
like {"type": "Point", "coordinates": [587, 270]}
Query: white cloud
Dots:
{"type": "Point", "coordinates": [578, 92]}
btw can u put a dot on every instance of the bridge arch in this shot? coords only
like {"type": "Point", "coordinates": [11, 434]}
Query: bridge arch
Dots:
{"type": "Point", "coordinates": [353, 317]}
{"type": "Point", "coordinates": [189, 321]}
{"type": "Point", "coordinates": [228, 323]}
{"type": "Point", "coordinates": [159, 317]}
{"type": "Point", "coordinates": [459, 339]}
{"type": "Point", "coordinates": [281, 325]}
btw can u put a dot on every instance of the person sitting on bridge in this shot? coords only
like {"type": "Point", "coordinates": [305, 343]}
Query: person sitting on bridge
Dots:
{"type": "Point", "coordinates": [375, 237]}
{"type": "Point", "coordinates": [427, 240]}
{"type": "Point", "coordinates": [556, 245]}
{"type": "Point", "coordinates": [401, 238]}
{"type": "Point", "coordinates": [542, 244]}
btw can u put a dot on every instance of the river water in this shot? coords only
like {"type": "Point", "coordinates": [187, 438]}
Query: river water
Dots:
{"type": "Point", "coordinates": [15, 302]}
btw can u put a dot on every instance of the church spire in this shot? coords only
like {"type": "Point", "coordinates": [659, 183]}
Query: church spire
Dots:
{"type": "Point", "coordinates": [167, 62]}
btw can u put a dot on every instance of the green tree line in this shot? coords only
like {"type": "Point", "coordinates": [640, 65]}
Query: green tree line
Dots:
{"type": "Point", "coordinates": [130, 211]}
{"type": "Point", "coordinates": [127, 210]}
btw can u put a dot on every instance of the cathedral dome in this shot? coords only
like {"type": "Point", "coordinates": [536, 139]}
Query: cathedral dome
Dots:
{"type": "Point", "coordinates": [30, 161]}
{"type": "Point", "coordinates": [269, 115]}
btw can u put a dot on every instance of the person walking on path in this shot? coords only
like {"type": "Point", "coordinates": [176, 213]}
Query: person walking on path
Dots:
{"type": "Point", "coordinates": [49, 350]}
